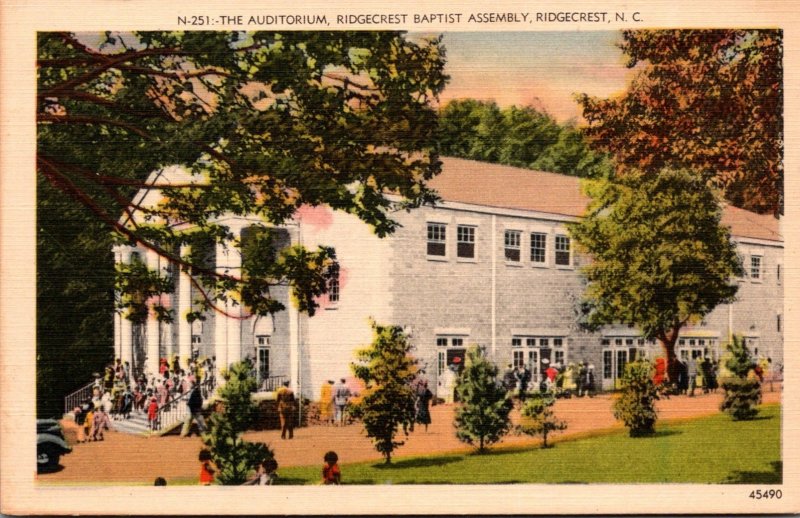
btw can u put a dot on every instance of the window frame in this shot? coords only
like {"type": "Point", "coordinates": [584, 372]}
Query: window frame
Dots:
{"type": "Point", "coordinates": [543, 235]}
{"type": "Point", "coordinates": [436, 234]}
{"type": "Point", "coordinates": [512, 247]}
{"type": "Point", "coordinates": [756, 271]}
{"type": "Point", "coordinates": [471, 232]}
{"type": "Point", "coordinates": [556, 251]}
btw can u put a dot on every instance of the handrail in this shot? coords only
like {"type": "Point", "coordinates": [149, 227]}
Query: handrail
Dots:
{"type": "Point", "coordinates": [272, 383]}
{"type": "Point", "coordinates": [77, 397]}
{"type": "Point", "coordinates": [176, 409]}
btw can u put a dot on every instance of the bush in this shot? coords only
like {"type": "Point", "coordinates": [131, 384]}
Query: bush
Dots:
{"type": "Point", "coordinates": [482, 417]}
{"type": "Point", "coordinates": [235, 458]}
{"type": "Point", "coordinates": [539, 418]}
{"type": "Point", "coordinates": [387, 368]}
{"type": "Point", "coordinates": [742, 394]}
{"type": "Point", "coordinates": [636, 405]}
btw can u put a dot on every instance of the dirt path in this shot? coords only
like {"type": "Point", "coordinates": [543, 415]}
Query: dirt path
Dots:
{"type": "Point", "coordinates": [124, 458]}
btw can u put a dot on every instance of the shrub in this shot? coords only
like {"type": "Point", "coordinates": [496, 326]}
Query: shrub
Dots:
{"type": "Point", "coordinates": [387, 368]}
{"type": "Point", "coordinates": [636, 405]}
{"type": "Point", "coordinates": [742, 394]}
{"type": "Point", "coordinates": [483, 416]}
{"type": "Point", "coordinates": [235, 458]}
{"type": "Point", "coordinates": [539, 418]}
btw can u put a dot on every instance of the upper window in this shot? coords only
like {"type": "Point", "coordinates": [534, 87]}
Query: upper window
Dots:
{"type": "Point", "coordinates": [465, 237]}
{"type": "Point", "coordinates": [755, 267]}
{"type": "Point", "coordinates": [562, 251]}
{"type": "Point", "coordinates": [436, 239]}
{"type": "Point", "coordinates": [333, 280]}
{"type": "Point", "coordinates": [778, 273]}
{"type": "Point", "coordinates": [538, 247]}
{"type": "Point", "coordinates": [513, 240]}
{"type": "Point", "coordinates": [262, 340]}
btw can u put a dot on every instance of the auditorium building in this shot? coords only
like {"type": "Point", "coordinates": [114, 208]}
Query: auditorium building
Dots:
{"type": "Point", "coordinates": [492, 264]}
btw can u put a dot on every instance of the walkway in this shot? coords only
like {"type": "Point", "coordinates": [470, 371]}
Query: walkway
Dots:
{"type": "Point", "coordinates": [124, 458]}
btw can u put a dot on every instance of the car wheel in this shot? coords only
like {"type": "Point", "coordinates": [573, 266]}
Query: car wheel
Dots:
{"type": "Point", "coordinates": [47, 458]}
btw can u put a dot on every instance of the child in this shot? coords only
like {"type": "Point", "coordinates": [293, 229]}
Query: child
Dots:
{"type": "Point", "coordinates": [330, 470]}
{"type": "Point", "coordinates": [266, 472]}
{"type": "Point", "coordinates": [152, 413]}
{"type": "Point", "coordinates": [88, 423]}
{"type": "Point", "coordinates": [206, 469]}
{"type": "Point", "coordinates": [160, 481]}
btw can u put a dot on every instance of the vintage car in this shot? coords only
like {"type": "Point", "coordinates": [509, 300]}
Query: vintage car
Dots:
{"type": "Point", "coordinates": [50, 444]}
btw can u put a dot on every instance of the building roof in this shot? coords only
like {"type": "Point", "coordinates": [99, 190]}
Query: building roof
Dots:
{"type": "Point", "coordinates": [507, 187]}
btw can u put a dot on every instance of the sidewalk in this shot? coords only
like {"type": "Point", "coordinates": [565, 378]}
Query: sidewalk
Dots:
{"type": "Point", "coordinates": [124, 458]}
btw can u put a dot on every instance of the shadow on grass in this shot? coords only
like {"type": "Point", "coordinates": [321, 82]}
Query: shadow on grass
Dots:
{"type": "Point", "coordinates": [290, 481]}
{"type": "Point", "coordinates": [658, 434]}
{"type": "Point", "coordinates": [420, 462]}
{"type": "Point", "coordinates": [758, 477]}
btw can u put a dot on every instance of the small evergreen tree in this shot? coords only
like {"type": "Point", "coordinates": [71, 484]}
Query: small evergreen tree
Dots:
{"type": "Point", "coordinates": [235, 458]}
{"type": "Point", "coordinates": [539, 417]}
{"type": "Point", "coordinates": [636, 405]}
{"type": "Point", "coordinates": [483, 416]}
{"type": "Point", "coordinates": [742, 394]}
{"type": "Point", "coordinates": [387, 368]}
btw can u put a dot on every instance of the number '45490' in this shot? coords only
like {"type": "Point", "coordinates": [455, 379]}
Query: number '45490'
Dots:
{"type": "Point", "coordinates": [767, 493]}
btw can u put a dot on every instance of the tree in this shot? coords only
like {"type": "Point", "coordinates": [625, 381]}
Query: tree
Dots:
{"type": "Point", "coordinates": [387, 369]}
{"type": "Point", "coordinates": [539, 418]}
{"type": "Point", "coordinates": [483, 415]}
{"type": "Point", "coordinates": [516, 136]}
{"type": "Point", "coordinates": [636, 405]}
{"type": "Point", "coordinates": [262, 123]}
{"type": "Point", "coordinates": [235, 458]}
{"type": "Point", "coordinates": [742, 394]}
{"type": "Point", "coordinates": [710, 100]}
{"type": "Point", "coordinates": [660, 258]}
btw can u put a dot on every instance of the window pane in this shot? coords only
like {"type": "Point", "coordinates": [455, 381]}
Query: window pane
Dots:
{"type": "Point", "coordinates": [516, 342]}
{"type": "Point", "coordinates": [466, 241]}
{"type": "Point", "coordinates": [538, 247]}
{"type": "Point", "coordinates": [436, 239]}
{"type": "Point", "coordinates": [436, 248]}
{"type": "Point", "coordinates": [562, 250]}
{"type": "Point", "coordinates": [441, 342]}
{"type": "Point", "coordinates": [466, 250]}
{"type": "Point", "coordinates": [755, 267]}
{"type": "Point", "coordinates": [457, 342]}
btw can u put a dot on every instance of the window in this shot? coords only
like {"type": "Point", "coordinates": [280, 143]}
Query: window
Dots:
{"type": "Point", "coordinates": [778, 274]}
{"type": "Point", "coordinates": [755, 267]}
{"type": "Point", "coordinates": [457, 342]}
{"type": "Point", "coordinates": [465, 237]}
{"type": "Point", "coordinates": [562, 251]}
{"type": "Point", "coordinates": [779, 323]}
{"type": "Point", "coordinates": [333, 280]}
{"type": "Point", "coordinates": [530, 342]}
{"type": "Point", "coordinates": [262, 340]}
{"type": "Point", "coordinates": [558, 342]}
{"type": "Point", "coordinates": [607, 364]}
{"type": "Point", "coordinates": [513, 240]}
{"type": "Point", "coordinates": [441, 342]}
{"type": "Point", "coordinates": [449, 349]}
{"type": "Point", "coordinates": [543, 342]}
{"type": "Point", "coordinates": [516, 342]}
{"type": "Point", "coordinates": [518, 359]}
{"type": "Point", "coordinates": [560, 357]}
{"type": "Point", "coordinates": [436, 239]}
{"type": "Point", "coordinates": [442, 357]}
{"type": "Point", "coordinates": [538, 247]}
{"type": "Point", "coordinates": [197, 339]}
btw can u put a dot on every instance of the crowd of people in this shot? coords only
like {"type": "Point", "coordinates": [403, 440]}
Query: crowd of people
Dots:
{"type": "Point", "coordinates": [556, 379]}
{"type": "Point", "coordinates": [117, 393]}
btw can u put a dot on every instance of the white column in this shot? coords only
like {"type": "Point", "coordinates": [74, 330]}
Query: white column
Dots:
{"type": "Point", "coordinates": [227, 331]}
{"type": "Point", "coordinates": [153, 338]}
{"type": "Point", "coordinates": [294, 332]}
{"type": "Point", "coordinates": [184, 306]}
{"type": "Point", "coordinates": [123, 330]}
{"type": "Point", "coordinates": [494, 289]}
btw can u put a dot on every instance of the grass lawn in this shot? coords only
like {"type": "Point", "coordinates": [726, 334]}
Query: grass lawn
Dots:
{"type": "Point", "coordinates": [706, 450]}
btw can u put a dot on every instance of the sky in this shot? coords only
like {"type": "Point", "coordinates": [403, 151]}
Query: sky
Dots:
{"type": "Point", "coordinates": [542, 69]}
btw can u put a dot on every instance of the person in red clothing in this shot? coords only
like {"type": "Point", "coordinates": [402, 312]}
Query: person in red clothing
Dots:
{"type": "Point", "coordinates": [152, 413]}
{"type": "Point", "coordinates": [206, 468]}
{"type": "Point", "coordinates": [331, 475]}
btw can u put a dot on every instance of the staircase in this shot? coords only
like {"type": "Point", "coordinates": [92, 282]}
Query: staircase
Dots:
{"type": "Point", "coordinates": [135, 424]}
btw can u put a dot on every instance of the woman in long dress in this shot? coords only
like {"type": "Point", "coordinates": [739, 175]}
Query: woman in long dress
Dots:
{"type": "Point", "coordinates": [424, 396]}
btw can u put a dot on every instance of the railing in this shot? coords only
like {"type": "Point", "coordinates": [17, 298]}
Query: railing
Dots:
{"type": "Point", "coordinates": [171, 412]}
{"type": "Point", "coordinates": [79, 396]}
{"type": "Point", "coordinates": [272, 383]}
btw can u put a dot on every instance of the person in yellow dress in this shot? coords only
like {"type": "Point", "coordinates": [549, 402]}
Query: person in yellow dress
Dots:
{"type": "Point", "coordinates": [326, 403]}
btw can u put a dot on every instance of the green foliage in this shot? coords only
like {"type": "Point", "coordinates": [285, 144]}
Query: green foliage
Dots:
{"type": "Point", "coordinates": [235, 458]}
{"type": "Point", "coordinates": [517, 136]}
{"type": "Point", "coordinates": [660, 257]}
{"type": "Point", "coordinates": [709, 100]}
{"type": "Point", "coordinates": [539, 417]}
{"type": "Point", "coordinates": [139, 288]}
{"type": "Point", "coordinates": [636, 404]}
{"type": "Point", "coordinates": [742, 393]}
{"type": "Point", "coordinates": [387, 369]}
{"type": "Point", "coordinates": [260, 123]}
{"type": "Point", "coordinates": [483, 415]}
